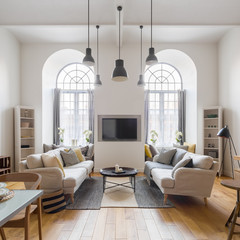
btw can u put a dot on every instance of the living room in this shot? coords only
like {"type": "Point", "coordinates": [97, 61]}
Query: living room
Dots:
{"type": "Point", "coordinates": [200, 40]}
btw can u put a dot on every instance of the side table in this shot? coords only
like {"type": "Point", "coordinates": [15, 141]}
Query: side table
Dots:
{"type": "Point", "coordinates": [5, 164]}
{"type": "Point", "coordinates": [233, 184]}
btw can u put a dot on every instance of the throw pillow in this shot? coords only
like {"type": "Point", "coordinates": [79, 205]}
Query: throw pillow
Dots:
{"type": "Point", "coordinates": [191, 147]}
{"type": "Point", "coordinates": [165, 156]}
{"type": "Point", "coordinates": [178, 156]}
{"type": "Point", "coordinates": [78, 152]}
{"type": "Point", "coordinates": [70, 158]}
{"type": "Point", "coordinates": [183, 163]}
{"type": "Point", "coordinates": [147, 151]}
{"type": "Point", "coordinates": [180, 146]}
{"type": "Point", "coordinates": [153, 150]}
{"type": "Point", "coordinates": [90, 151]}
{"type": "Point", "coordinates": [47, 147]}
{"type": "Point", "coordinates": [50, 160]}
{"type": "Point", "coordinates": [84, 150]}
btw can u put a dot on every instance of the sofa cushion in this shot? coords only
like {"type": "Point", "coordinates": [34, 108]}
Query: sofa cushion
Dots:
{"type": "Point", "coordinates": [84, 150]}
{"type": "Point", "coordinates": [47, 147]}
{"type": "Point", "coordinates": [88, 165]}
{"type": "Point", "coordinates": [153, 150]}
{"type": "Point", "coordinates": [186, 162]}
{"type": "Point", "coordinates": [180, 146]}
{"type": "Point", "coordinates": [200, 161]}
{"type": "Point", "coordinates": [69, 157]}
{"type": "Point", "coordinates": [34, 161]}
{"type": "Point", "coordinates": [74, 177]}
{"type": "Point", "coordinates": [50, 160]}
{"type": "Point", "coordinates": [56, 152]}
{"type": "Point", "coordinates": [90, 151]}
{"type": "Point", "coordinates": [191, 147]}
{"type": "Point", "coordinates": [78, 152]}
{"type": "Point", "coordinates": [147, 151]}
{"type": "Point", "coordinates": [178, 156]}
{"type": "Point", "coordinates": [165, 156]}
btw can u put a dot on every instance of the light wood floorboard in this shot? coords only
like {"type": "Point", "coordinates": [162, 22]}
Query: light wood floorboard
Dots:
{"type": "Point", "coordinates": [190, 219]}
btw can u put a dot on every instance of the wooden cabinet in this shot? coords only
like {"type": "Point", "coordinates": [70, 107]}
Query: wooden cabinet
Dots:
{"type": "Point", "coordinates": [5, 164]}
{"type": "Point", "coordinates": [24, 133]}
{"type": "Point", "coordinates": [212, 144]}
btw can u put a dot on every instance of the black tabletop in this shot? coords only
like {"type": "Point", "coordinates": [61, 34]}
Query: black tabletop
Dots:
{"type": "Point", "coordinates": [110, 172]}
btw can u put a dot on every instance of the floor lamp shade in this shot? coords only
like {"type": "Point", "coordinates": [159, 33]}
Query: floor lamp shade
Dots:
{"type": "Point", "coordinates": [119, 73]}
{"type": "Point", "coordinates": [224, 132]}
{"type": "Point", "coordinates": [88, 59]}
{"type": "Point", "coordinates": [151, 59]}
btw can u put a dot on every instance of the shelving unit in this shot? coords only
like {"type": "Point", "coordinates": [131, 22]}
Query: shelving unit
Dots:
{"type": "Point", "coordinates": [212, 124]}
{"type": "Point", "coordinates": [5, 164]}
{"type": "Point", "coordinates": [24, 133]}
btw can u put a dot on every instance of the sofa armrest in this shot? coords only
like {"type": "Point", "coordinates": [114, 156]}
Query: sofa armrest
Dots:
{"type": "Point", "coordinates": [195, 179]}
{"type": "Point", "coordinates": [23, 166]}
{"type": "Point", "coordinates": [52, 177]}
{"type": "Point", "coordinates": [167, 182]}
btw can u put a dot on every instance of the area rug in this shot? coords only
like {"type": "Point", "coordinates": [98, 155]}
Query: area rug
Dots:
{"type": "Point", "coordinates": [90, 195]}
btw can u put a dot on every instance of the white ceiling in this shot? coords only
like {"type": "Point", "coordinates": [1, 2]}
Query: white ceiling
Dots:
{"type": "Point", "coordinates": [173, 21]}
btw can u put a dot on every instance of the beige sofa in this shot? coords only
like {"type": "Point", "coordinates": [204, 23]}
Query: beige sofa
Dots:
{"type": "Point", "coordinates": [196, 180]}
{"type": "Point", "coordinates": [53, 178]}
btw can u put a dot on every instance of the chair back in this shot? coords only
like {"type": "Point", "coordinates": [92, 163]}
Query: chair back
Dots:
{"type": "Point", "coordinates": [31, 180]}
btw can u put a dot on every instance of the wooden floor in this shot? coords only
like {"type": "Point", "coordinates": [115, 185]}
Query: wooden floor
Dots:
{"type": "Point", "coordinates": [190, 219]}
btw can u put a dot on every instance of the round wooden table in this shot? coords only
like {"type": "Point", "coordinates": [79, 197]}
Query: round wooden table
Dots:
{"type": "Point", "coordinates": [233, 184]}
{"type": "Point", "coordinates": [127, 172]}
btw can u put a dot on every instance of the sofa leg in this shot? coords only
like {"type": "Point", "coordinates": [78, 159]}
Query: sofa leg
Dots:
{"type": "Point", "coordinates": [69, 196]}
{"type": "Point", "coordinates": [205, 201]}
{"type": "Point", "coordinates": [165, 198]}
{"type": "Point", "coordinates": [72, 198]}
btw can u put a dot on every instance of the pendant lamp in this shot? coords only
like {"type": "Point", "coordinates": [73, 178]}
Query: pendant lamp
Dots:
{"type": "Point", "coordinates": [88, 59]}
{"type": "Point", "coordinates": [119, 73]}
{"type": "Point", "coordinates": [97, 81]}
{"type": "Point", "coordinates": [141, 82]}
{"type": "Point", "coordinates": [151, 59]}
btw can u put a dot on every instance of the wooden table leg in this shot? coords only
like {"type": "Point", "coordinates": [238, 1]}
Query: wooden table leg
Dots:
{"type": "Point", "coordinates": [233, 221]}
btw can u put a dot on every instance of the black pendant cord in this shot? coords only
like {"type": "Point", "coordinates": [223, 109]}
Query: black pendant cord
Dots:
{"type": "Point", "coordinates": [151, 23]}
{"type": "Point", "coordinates": [119, 33]}
{"type": "Point", "coordinates": [97, 50]}
{"type": "Point", "coordinates": [141, 27]}
{"type": "Point", "coordinates": [88, 23]}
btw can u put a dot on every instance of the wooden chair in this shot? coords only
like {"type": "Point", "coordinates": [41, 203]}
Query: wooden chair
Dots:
{"type": "Point", "coordinates": [32, 182]}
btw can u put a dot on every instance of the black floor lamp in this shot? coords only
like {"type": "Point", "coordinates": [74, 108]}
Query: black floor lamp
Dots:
{"type": "Point", "coordinates": [225, 133]}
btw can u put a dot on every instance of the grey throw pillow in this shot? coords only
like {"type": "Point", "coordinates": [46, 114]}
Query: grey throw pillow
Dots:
{"type": "Point", "coordinates": [69, 158]}
{"type": "Point", "coordinates": [84, 150]}
{"type": "Point", "coordinates": [47, 147]}
{"type": "Point", "coordinates": [153, 150]}
{"type": "Point", "coordinates": [165, 156]}
{"type": "Point", "coordinates": [180, 153]}
{"type": "Point", "coordinates": [186, 162]}
{"type": "Point", "coordinates": [90, 151]}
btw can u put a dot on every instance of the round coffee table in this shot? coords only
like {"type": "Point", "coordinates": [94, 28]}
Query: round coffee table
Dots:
{"type": "Point", "coordinates": [127, 172]}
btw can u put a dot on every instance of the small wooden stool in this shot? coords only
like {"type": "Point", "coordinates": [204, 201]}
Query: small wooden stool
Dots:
{"type": "Point", "coordinates": [233, 184]}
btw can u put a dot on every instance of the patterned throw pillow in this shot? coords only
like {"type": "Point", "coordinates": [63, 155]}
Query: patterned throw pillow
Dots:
{"type": "Point", "coordinates": [69, 158]}
{"type": "Point", "coordinates": [84, 150]}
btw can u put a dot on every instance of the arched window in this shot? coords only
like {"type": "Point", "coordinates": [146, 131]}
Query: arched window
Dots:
{"type": "Point", "coordinates": [75, 82]}
{"type": "Point", "coordinates": [163, 84]}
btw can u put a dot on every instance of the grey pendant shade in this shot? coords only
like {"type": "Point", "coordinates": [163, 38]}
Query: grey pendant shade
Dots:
{"type": "Point", "coordinates": [119, 73]}
{"type": "Point", "coordinates": [151, 59]}
{"type": "Point", "coordinates": [97, 81]}
{"type": "Point", "coordinates": [88, 59]}
{"type": "Point", "coordinates": [141, 82]}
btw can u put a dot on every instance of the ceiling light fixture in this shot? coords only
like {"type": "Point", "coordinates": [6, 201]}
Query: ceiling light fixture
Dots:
{"type": "Point", "coordinates": [88, 59]}
{"type": "Point", "coordinates": [151, 59]}
{"type": "Point", "coordinates": [141, 76]}
{"type": "Point", "coordinates": [97, 78]}
{"type": "Point", "coordinates": [119, 73]}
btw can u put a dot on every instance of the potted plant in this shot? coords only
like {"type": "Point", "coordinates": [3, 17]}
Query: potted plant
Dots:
{"type": "Point", "coordinates": [179, 137]}
{"type": "Point", "coordinates": [61, 134]}
{"type": "Point", "coordinates": [154, 136]}
{"type": "Point", "coordinates": [87, 134]}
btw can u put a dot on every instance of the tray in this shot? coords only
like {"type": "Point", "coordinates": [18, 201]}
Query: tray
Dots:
{"type": "Point", "coordinates": [118, 172]}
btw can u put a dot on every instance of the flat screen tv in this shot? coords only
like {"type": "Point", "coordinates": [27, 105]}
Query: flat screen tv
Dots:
{"type": "Point", "coordinates": [119, 128]}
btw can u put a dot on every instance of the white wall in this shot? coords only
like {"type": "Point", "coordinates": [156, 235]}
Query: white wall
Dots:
{"type": "Point", "coordinates": [9, 90]}
{"type": "Point", "coordinates": [119, 98]}
{"type": "Point", "coordinates": [229, 86]}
